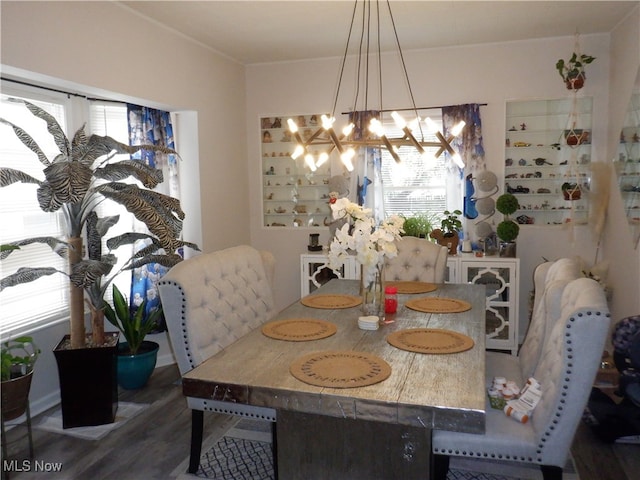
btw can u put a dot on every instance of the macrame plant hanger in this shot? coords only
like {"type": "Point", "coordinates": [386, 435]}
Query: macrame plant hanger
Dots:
{"type": "Point", "coordinates": [573, 138]}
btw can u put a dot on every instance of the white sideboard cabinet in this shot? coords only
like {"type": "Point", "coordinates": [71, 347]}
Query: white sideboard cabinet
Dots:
{"type": "Point", "coordinates": [499, 275]}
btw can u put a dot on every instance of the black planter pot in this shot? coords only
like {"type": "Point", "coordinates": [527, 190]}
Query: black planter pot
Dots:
{"type": "Point", "coordinates": [88, 384]}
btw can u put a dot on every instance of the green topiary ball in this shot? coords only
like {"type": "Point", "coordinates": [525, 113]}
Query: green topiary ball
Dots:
{"type": "Point", "coordinates": [508, 230]}
{"type": "Point", "coordinates": [507, 204]}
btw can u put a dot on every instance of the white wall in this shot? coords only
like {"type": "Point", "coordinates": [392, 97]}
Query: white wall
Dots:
{"type": "Point", "coordinates": [491, 74]}
{"type": "Point", "coordinates": [103, 48]}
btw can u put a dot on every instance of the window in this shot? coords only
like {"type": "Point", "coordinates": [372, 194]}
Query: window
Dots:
{"type": "Point", "coordinates": [20, 215]}
{"type": "Point", "coordinates": [414, 186]}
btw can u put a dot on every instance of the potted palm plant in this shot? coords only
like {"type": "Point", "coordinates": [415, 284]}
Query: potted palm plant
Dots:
{"type": "Point", "coordinates": [572, 70]}
{"type": "Point", "coordinates": [17, 359]}
{"type": "Point", "coordinates": [76, 181]}
{"type": "Point", "coordinates": [136, 357]}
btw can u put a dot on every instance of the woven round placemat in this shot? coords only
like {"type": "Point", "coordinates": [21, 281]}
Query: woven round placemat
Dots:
{"type": "Point", "coordinates": [331, 301]}
{"type": "Point", "coordinates": [340, 369]}
{"type": "Point", "coordinates": [438, 305]}
{"type": "Point", "coordinates": [299, 329]}
{"type": "Point", "coordinates": [430, 340]}
{"type": "Point", "coordinates": [412, 287]}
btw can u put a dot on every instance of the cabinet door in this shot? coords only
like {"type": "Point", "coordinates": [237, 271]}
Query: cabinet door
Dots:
{"type": "Point", "coordinates": [315, 273]}
{"type": "Point", "coordinates": [499, 279]}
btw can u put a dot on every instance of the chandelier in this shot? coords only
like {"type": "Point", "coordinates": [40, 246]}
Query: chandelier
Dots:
{"type": "Point", "coordinates": [316, 147]}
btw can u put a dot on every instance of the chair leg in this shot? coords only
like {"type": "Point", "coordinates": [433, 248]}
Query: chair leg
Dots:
{"type": "Point", "coordinates": [551, 472]}
{"type": "Point", "coordinates": [197, 427]}
{"type": "Point", "coordinates": [440, 467]}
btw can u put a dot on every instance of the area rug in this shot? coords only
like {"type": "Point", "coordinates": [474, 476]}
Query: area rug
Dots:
{"type": "Point", "coordinates": [126, 411]}
{"type": "Point", "coordinates": [244, 452]}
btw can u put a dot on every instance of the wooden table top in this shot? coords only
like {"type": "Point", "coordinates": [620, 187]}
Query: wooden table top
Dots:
{"type": "Point", "coordinates": [434, 391]}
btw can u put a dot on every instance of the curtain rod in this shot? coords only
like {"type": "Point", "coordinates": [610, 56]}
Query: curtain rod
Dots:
{"type": "Point", "coordinates": [413, 109]}
{"type": "Point", "coordinates": [73, 94]}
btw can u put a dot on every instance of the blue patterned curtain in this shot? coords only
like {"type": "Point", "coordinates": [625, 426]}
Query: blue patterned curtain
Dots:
{"type": "Point", "coordinates": [152, 127]}
{"type": "Point", "coordinates": [469, 142]}
{"type": "Point", "coordinates": [460, 190]}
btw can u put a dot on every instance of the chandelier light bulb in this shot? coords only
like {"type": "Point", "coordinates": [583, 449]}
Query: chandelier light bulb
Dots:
{"type": "Point", "coordinates": [322, 159]}
{"type": "Point", "coordinates": [346, 157]}
{"type": "Point", "coordinates": [327, 122]}
{"type": "Point", "coordinates": [431, 125]}
{"type": "Point", "coordinates": [375, 127]}
{"type": "Point", "coordinates": [308, 159]}
{"type": "Point", "coordinates": [293, 126]}
{"type": "Point", "coordinates": [299, 150]}
{"type": "Point", "coordinates": [455, 131]}
{"type": "Point", "coordinates": [346, 131]}
{"type": "Point", "coordinates": [398, 119]}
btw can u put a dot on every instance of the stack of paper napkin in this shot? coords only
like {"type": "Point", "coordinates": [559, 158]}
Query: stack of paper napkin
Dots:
{"type": "Point", "coordinates": [369, 322]}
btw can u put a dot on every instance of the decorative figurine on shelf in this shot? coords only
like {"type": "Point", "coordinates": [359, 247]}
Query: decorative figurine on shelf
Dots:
{"type": "Point", "coordinates": [277, 123]}
{"type": "Point", "coordinates": [266, 137]}
{"type": "Point", "coordinates": [523, 126]}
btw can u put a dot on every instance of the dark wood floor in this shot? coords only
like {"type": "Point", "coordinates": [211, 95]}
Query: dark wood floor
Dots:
{"type": "Point", "coordinates": [151, 445]}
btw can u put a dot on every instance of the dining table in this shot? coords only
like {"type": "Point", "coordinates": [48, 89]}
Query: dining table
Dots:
{"type": "Point", "coordinates": [374, 422]}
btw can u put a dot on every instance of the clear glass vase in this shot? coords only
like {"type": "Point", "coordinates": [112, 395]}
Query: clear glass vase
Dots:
{"type": "Point", "coordinates": [372, 291]}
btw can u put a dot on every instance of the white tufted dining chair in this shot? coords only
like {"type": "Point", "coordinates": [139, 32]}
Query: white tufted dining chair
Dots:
{"type": "Point", "coordinates": [209, 302]}
{"type": "Point", "coordinates": [549, 278]}
{"type": "Point", "coordinates": [566, 370]}
{"type": "Point", "coordinates": [418, 259]}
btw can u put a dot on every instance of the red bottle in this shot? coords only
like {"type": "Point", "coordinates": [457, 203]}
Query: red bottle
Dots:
{"type": "Point", "coordinates": [390, 299]}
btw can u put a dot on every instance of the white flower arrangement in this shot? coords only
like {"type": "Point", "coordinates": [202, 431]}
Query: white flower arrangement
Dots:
{"type": "Point", "coordinates": [371, 243]}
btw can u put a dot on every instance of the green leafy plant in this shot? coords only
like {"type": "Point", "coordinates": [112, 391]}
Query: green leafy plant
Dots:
{"type": "Point", "coordinates": [418, 225]}
{"type": "Point", "coordinates": [17, 357]}
{"type": "Point", "coordinates": [450, 223]}
{"type": "Point", "coordinates": [508, 230]}
{"type": "Point", "coordinates": [131, 322]}
{"type": "Point", "coordinates": [573, 68]}
{"type": "Point", "coordinates": [569, 186]}
{"type": "Point", "coordinates": [507, 204]}
{"type": "Point", "coordinates": [81, 177]}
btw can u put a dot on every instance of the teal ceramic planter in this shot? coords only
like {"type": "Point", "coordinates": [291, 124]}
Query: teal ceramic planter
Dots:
{"type": "Point", "coordinates": [134, 370]}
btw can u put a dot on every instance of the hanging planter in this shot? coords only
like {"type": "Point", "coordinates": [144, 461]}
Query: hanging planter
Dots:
{"type": "Point", "coordinates": [575, 82]}
{"type": "Point", "coordinates": [576, 136]}
{"type": "Point", "coordinates": [571, 191]}
{"type": "Point", "coordinates": [572, 70]}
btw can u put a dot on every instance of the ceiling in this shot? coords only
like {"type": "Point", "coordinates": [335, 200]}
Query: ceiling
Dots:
{"type": "Point", "coordinates": [264, 31]}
